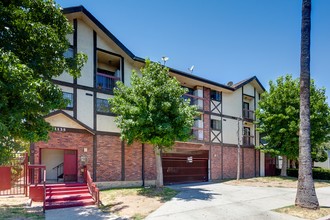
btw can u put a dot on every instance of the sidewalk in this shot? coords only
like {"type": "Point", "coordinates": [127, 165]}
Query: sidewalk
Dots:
{"type": "Point", "coordinates": [221, 201]}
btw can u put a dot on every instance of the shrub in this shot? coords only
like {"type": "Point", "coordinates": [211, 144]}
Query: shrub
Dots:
{"type": "Point", "coordinates": [318, 173]}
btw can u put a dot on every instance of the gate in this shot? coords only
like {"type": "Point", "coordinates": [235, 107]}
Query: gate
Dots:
{"type": "Point", "coordinates": [13, 178]}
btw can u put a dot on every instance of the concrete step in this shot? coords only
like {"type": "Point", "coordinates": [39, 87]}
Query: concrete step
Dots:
{"type": "Point", "coordinates": [69, 197]}
{"type": "Point", "coordinates": [67, 204]}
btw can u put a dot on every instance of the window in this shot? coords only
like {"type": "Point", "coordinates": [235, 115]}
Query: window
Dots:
{"type": "Point", "coordinates": [68, 96]}
{"type": "Point", "coordinates": [216, 124]}
{"type": "Point", "coordinates": [215, 95]}
{"type": "Point", "coordinates": [102, 106]}
{"type": "Point", "coordinates": [69, 52]}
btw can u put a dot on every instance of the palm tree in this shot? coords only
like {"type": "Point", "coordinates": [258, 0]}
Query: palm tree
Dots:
{"type": "Point", "coordinates": [306, 195]}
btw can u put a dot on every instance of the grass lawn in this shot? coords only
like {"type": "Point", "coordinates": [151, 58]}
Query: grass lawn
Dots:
{"type": "Point", "coordinates": [13, 207]}
{"type": "Point", "coordinates": [274, 181]}
{"type": "Point", "coordinates": [135, 203]}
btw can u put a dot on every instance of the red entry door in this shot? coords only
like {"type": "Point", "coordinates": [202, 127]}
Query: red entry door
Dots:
{"type": "Point", "coordinates": [70, 166]}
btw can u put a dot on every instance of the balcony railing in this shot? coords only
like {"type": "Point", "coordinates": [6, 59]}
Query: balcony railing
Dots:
{"type": "Point", "coordinates": [248, 114]}
{"type": "Point", "coordinates": [248, 140]}
{"type": "Point", "coordinates": [194, 100]}
{"type": "Point", "coordinates": [106, 82]}
{"type": "Point", "coordinates": [197, 133]}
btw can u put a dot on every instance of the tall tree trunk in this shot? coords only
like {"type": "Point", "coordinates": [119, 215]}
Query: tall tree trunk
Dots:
{"type": "Point", "coordinates": [159, 168]}
{"type": "Point", "coordinates": [306, 195]}
{"type": "Point", "coordinates": [284, 166]}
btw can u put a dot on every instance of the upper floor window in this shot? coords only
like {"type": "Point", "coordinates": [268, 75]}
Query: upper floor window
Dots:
{"type": "Point", "coordinates": [68, 96]}
{"type": "Point", "coordinates": [216, 124]}
{"type": "Point", "coordinates": [106, 80]}
{"type": "Point", "coordinates": [69, 52]}
{"type": "Point", "coordinates": [102, 106]}
{"type": "Point", "coordinates": [215, 95]}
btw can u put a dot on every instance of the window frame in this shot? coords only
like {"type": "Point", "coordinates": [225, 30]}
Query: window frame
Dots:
{"type": "Point", "coordinates": [71, 100]}
{"type": "Point", "coordinates": [218, 95]}
{"type": "Point", "coordinates": [216, 128]}
{"type": "Point", "coordinates": [102, 112]}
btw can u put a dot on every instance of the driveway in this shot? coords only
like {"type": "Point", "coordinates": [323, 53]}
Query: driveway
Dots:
{"type": "Point", "coordinates": [221, 201]}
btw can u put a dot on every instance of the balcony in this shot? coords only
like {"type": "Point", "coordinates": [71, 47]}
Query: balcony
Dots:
{"type": "Point", "coordinates": [106, 82]}
{"type": "Point", "coordinates": [248, 115]}
{"type": "Point", "coordinates": [194, 100]}
{"type": "Point", "coordinates": [197, 134]}
{"type": "Point", "coordinates": [248, 140]}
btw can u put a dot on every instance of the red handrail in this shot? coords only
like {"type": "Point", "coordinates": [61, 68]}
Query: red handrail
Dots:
{"type": "Point", "coordinates": [94, 191]}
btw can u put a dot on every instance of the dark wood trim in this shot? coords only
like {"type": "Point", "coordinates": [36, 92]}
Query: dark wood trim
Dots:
{"type": "Point", "coordinates": [108, 52]}
{"type": "Point", "coordinates": [94, 79]}
{"type": "Point", "coordinates": [94, 158]}
{"type": "Point", "coordinates": [235, 145]}
{"type": "Point", "coordinates": [72, 118]}
{"type": "Point", "coordinates": [122, 161]}
{"type": "Point", "coordinates": [122, 70]}
{"type": "Point", "coordinates": [242, 103]}
{"type": "Point", "coordinates": [106, 113]}
{"type": "Point", "coordinates": [255, 135]}
{"type": "Point", "coordinates": [249, 95]}
{"type": "Point", "coordinates": [143, 177]}
{"type": "Point", "coordinates": [74, 130]}
{"type": "Point", "coordinates": [82, 87]}
{"type": "Point", "coordinates": [107, 133]}
{"type": "Point", "coordinates": [75, 49]}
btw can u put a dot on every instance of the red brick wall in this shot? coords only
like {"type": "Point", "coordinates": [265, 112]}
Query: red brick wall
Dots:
{"type": "Point", "coordinates": [149, 163]}
{"type": "Point", "coordinates": [72, 141]}
{"type": "Point", "coordinates": [207, 97]}
{"type": "Point", "coordinates": [230, 162]}
{"type": "Point", "coordinates": [133, 161]}
{"type": "Point", "coordinates": [215, 157]}
{"type": "Point", "coordinates": [108, 158]}
{"type": "Point", "coordinates": [206, 124]}
{"type": "Point", "coordinates": [249, 162]}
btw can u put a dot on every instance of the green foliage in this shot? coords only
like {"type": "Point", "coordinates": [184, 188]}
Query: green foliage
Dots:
{"type": "Point", "coordinates": [318, 173]}
{"type": "Point", "coordinates": [32, 44]}
{"type": "Point", "coordinates": [278, 118]}
{"type": "Point", "coordinates": [152, 110]}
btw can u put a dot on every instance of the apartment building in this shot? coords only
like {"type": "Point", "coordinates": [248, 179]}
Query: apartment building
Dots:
{"type": "Point", "coordinates": [85, 133]}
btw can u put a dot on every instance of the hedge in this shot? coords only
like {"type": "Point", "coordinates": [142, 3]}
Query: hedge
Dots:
{"type": "Point", "coordinates": [318, 173]}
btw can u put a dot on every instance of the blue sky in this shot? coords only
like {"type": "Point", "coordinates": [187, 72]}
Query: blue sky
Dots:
{"type": "Point", "coordinates": [226, 40]}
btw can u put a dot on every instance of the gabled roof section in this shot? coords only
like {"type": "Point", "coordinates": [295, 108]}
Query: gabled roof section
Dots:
{"type": "Point", "coordinates": [246, 81]}
{"type": "Point", "coordinates": [62, 119]}
{"type": "Point", "coordinates": [82, 9]}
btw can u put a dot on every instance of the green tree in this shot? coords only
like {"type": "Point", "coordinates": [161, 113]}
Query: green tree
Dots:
{"type": "Point", "coordinates": [32, 46]}
{"type": "Point", "coordinates": [278, 119]}
{"type": "Point", "coordinates": [153, 111]}
{"type": "Point", "coordinates": [306, 195]}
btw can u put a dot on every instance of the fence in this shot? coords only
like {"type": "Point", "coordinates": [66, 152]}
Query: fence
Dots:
{"type": "Point", "coordinates": [13, 178]}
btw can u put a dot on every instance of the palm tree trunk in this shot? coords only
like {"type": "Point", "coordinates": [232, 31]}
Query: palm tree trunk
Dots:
{"type": "Point", "coordinates": [306, 195]}
{"type": "Point", "coordinates": [159, 168]}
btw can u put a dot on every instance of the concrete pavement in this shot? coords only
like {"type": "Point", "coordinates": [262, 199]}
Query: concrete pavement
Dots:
{"type": "Point", "coordinates": [221, 201]}
{"type": "Point", "coordinates": [77, 213]}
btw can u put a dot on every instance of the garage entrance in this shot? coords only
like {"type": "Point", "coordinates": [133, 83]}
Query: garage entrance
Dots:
{"type": "Point", "coordinates": [185, 167]}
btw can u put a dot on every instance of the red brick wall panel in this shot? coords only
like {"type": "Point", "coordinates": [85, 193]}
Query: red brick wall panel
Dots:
{"type": "Point", "coordinates": [108, 158]}
{"type": "Point", "coordinates": [216, 166]}
{"type": "Point", "coordinates": [133, 162]}
{"type": "Point", "coordinates": [249, 162]}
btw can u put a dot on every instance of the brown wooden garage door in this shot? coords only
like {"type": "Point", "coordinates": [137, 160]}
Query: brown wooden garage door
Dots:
{"type": "Point", "coordinates": [185, 167]}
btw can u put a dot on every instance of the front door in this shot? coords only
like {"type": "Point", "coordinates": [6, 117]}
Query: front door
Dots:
{"type": "Point", "coordinates": [70, 166]}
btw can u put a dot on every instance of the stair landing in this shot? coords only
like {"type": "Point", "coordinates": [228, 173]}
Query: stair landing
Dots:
{"type": "Point", "coordinates": [67, 195]}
